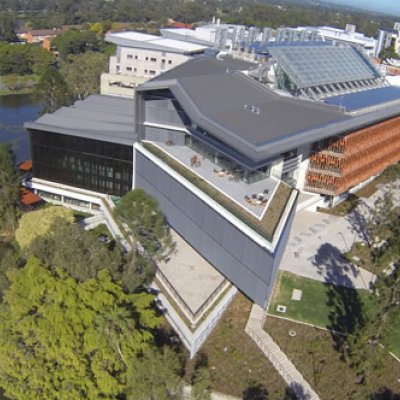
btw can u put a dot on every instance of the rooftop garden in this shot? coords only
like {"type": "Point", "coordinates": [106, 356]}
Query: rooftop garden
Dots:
{"type": "Point", "coordinates": [265, 227]}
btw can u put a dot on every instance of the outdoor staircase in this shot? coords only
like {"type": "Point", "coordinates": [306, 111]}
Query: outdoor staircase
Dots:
{"type": "Point", "coordinates": [294, 379]}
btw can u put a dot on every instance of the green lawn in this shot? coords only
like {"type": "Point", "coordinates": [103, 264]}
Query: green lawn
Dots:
{"type": "Point", "coordinates": [328, 306]}
{"type": "Point", "coordinates": [392, 337]}
{"type": "Point", "coordinates": [318, 300]}
{"type": "Point", "coordinates": [18, 84]}
{"type": "Point", "coordinates": [313, 352]}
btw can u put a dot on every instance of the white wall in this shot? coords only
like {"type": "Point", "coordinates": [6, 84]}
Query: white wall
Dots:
{"type": "Point", "coordinates": [143, 62]}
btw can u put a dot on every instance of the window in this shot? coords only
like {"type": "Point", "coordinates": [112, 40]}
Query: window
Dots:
{"type": "Point", "coordinates": [136, 57]}
{"type": "Point", "coordinates": [129, 68]}
{"type": "Point", "coordinates": [146, 71]}
{"type": "Point", "coordinates": [130, 56]}
{"type": "Point", "coordinates": [169, 61]}
{"type": "Point", "coordinates": [152, 72]}
{"type": "Point", "coordinates": [153, 59]}
{"type": "Point", "coordinates": [147, 58]}
{"type": "Point", "coordinates": [134, 69]}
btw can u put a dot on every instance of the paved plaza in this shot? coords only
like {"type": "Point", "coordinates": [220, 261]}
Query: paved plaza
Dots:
{"type": "Point", "coordinates": [317, 241]}
{"type": "Point", "coordinates": [190, 274]}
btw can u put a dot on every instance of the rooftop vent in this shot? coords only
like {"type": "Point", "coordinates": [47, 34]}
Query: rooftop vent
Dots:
{"type": "Point", "coordinates": [252, 109]}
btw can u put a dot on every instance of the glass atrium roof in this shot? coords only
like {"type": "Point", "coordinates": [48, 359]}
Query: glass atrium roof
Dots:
{"type": "Point", "coordinates": [309, 66]}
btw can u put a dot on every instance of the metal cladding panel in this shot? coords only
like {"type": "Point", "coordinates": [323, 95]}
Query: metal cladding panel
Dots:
{"type": "Point", "coordinates": [247, 265]}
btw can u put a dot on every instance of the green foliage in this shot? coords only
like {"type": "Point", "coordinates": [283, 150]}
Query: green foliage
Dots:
{"type": "Point", "coordinates": [9, 188]}
{"type": "Point", "coordinates": [24, 59]}
{"type": "Point", "coordinates": [76, 42]}
{"type": "Point", "coordinates": [60, 339]}
{"type": "Point", "coordinates": [82, 72]}
{"type": "Point", "coordinates": [8, 26]}
{"type": "Point", "coordinates": [155, 375]}
{"type": "Point", "coordinates": [9, 258]}
{"type": "Point", "coordinates": [383, 226]}
{"type": "Point", "coordinates": [201, 385]}
{"type": "Point", "coordinates": [388, 53]}
{"type": "Point", "coordinates": [61, 244]}
{"type": "Point", "coordinates": [143, 217]}
{"type": "Point", "coordinates": [40, 223]}
{"type": "Point", "coordinates": [52, 91]}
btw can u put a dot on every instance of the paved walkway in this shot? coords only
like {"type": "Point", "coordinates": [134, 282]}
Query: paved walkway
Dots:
{"type": "Point", "coordinates": [294, 379]}
{"type": "Point", "coordinates": [317, 241]}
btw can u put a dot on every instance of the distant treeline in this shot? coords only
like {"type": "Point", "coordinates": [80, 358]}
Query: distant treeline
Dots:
{"type": "Point", "coordinates": [54, 13]}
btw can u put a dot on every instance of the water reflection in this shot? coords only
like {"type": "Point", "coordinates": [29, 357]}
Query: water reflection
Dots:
{"type": "Point", "coordinates": [15, 110]}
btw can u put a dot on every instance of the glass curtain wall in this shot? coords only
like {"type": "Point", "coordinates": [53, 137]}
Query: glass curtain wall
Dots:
{"type": "Point", "coordinates": [85, 163]}
{"type": "Point", "coordinates": [245, 174]}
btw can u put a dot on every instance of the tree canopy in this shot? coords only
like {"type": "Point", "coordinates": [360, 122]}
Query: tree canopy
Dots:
{"type": "Point", "coordinates": [9, 188]}
{"type": "Point", "coordinates": [24, 59]}
{"type": "Point", "coordinates": [147, 223]}
{"type": "Point", "coordinates": [52, 91]}
{"type": "Point", "coordinates": [155, 375]}
{"type": "Point", "coordinates": [383, 232]}
{"type": "Point", "coordinates": [83, 71]}
{"type": "Point", "coordinates": [40, 223]}
{"type": "Point", "coordinates": [76, 42]}
{"type": "Point", "coordinates": [61, 339]}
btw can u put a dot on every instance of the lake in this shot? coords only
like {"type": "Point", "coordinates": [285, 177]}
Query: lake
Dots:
{"type": "Point", "coordinates": [15, 110]}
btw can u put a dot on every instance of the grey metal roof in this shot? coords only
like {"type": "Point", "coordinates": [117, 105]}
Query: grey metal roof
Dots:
{"type": "Point", "coordinates": [204, 66]}
{"type": "Point", "coordinates": [309, 66]}
{"type": "Point", "coordinates": [250, 118]}
{"type": "Point", "coordinates": [98, 117]}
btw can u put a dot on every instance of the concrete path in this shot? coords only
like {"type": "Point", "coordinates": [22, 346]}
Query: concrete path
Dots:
{"type": "Point", "coordinates": [315, 248]}
{"type": "Point", "coordinates": [294, 379]}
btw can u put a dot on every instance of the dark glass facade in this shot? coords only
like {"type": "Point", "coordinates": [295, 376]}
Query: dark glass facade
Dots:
{"type": "Point", "coordinates": [85, 163]}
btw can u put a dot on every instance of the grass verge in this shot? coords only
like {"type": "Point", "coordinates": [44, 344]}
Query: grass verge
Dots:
{"type": "Point", "coordinates": [317, 301]}
{"type": "Point", "coordinates": [18, 84]}
{"type": "Point", "coordinates": [235, 361]}
{"type": "Point", "coordinates": [312, 352]}
{"type": "Point", "coordinates": [277, 204]}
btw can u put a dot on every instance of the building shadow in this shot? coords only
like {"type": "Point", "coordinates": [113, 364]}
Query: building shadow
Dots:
{"type": "Point", "coordinates": [346, 310]}
{"type": "Point", "coordinates": [384, 394]}
{"type": "Point", "coordinates": [358, 223]}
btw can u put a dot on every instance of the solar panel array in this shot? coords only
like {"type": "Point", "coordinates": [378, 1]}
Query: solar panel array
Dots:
{"type": "Point", "coordinates": [366, 98]}
{"type": "Point", "coordinates": [309, 66]}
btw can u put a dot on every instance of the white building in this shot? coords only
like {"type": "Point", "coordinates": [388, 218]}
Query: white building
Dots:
{"type": "Point", "coordinates": [348, 36]}
{"type": "Point", "coordinates": [140, 57]}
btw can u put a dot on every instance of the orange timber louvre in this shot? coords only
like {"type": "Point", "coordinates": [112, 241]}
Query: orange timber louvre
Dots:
{"type": "Point", "coordinates": [340, 163]}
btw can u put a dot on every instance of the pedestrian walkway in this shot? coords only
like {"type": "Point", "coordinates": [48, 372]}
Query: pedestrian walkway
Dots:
{"type": "Point", "coordinates": [315, 250]}
{"type": "Point", "coordinates": [294, 379]}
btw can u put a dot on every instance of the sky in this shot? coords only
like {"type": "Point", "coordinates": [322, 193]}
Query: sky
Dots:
{"type": "Point", "coordinates": [391, 7]}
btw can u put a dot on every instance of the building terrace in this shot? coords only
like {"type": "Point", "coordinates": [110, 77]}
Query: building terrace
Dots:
{"type": "Point", "coordinates": [260, 204]}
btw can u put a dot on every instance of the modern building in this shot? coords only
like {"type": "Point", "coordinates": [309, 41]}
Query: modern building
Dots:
{"type": "Point", "coordinates": [139, 57]}
{"type": "Point", "coordinates": [347, 36]}
{"type": "Point", "coordinates": [317, 70]}
{"type": "Point", "coordinates": [387, 38]}
{"type": "Point", "coordinates": [224, 154]}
